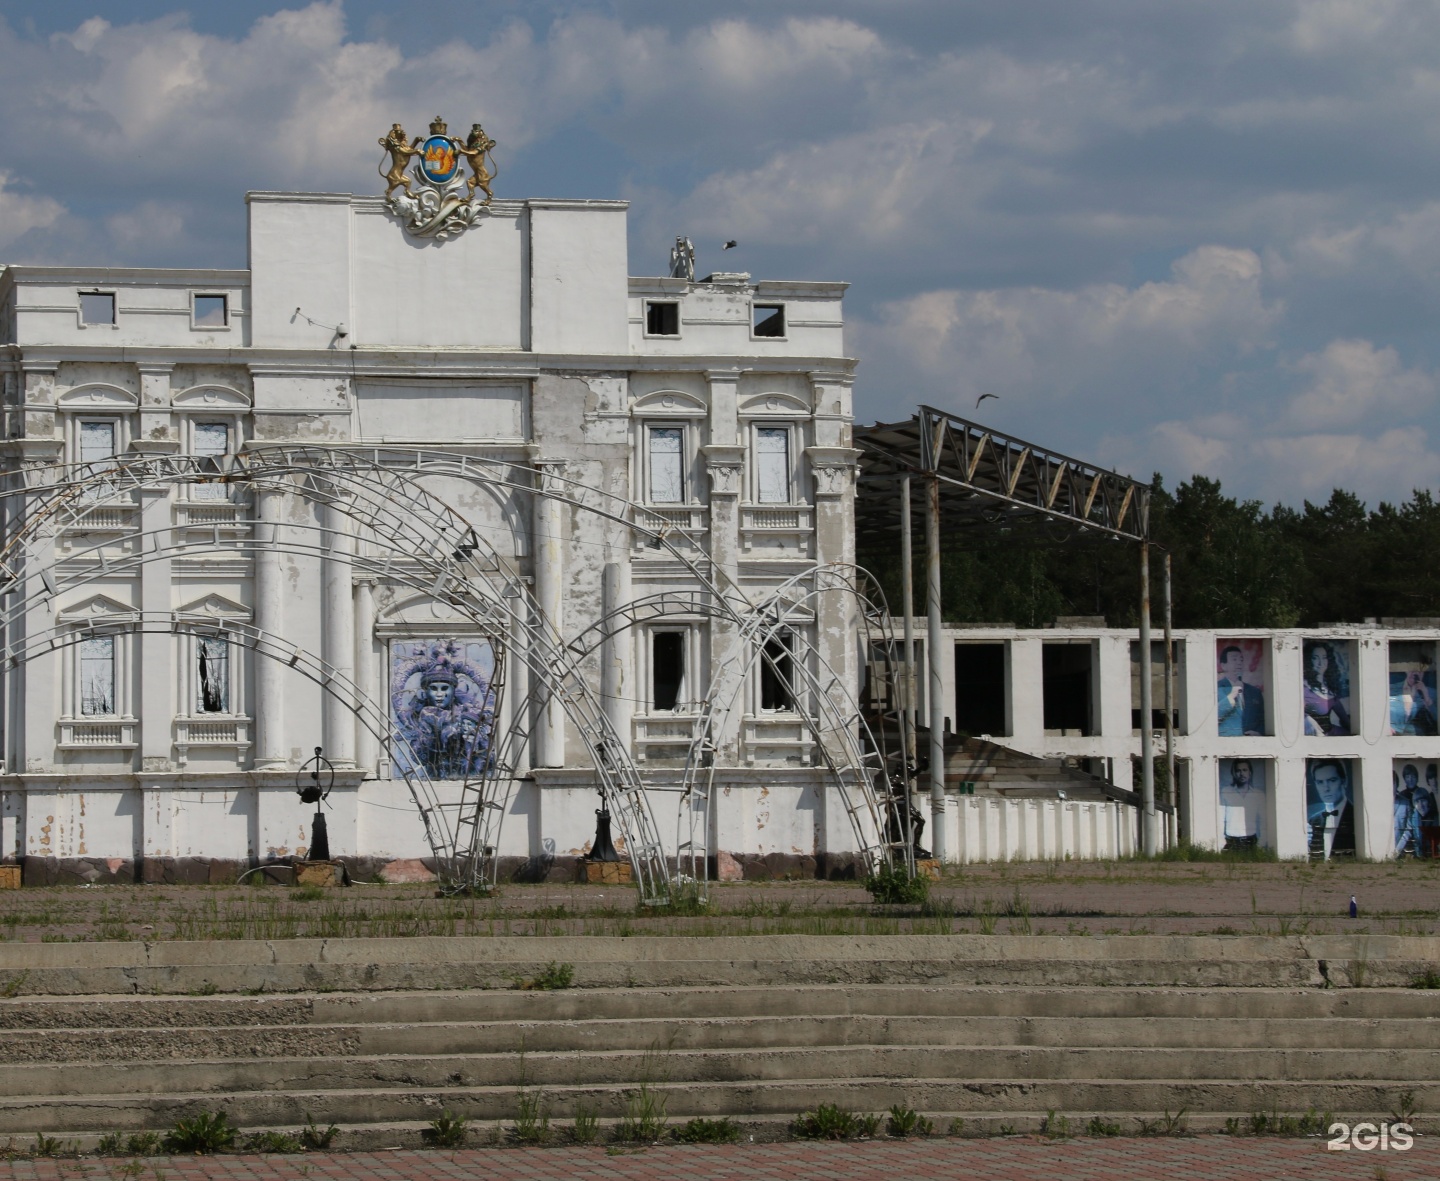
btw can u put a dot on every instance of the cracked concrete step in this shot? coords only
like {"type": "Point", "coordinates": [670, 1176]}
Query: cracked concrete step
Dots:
{"type": "Point", "coordinates": [791, 959]}
{"type": "Point", "coordinates": [983, 1097]}
{"type": "Point", "coordinates": [1022, 1064]}
{"type": "Point", "coordinates": [921, 1000]}
{"type": "Point", "coordinates": [705, 1033]}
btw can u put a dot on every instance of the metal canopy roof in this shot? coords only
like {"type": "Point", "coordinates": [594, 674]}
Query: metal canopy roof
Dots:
{"type": "Point", "coordinates": [988, 479]}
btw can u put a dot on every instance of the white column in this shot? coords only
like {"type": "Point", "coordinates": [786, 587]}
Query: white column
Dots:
{"type": "Point", "coordinates": [724, 464]}
{"type": "Point", "coordinates": [549, 550]}
{"type": "Point", "coordinates": [269, 618]}
{"type": "Point", "coordinates": [367, 680]}
{"type": "Point", "coordinates": [158, 679]}
{"type": "Point", "coordinates": [616, 680]}
{"type": "Point", "coordinates": [338, 640]}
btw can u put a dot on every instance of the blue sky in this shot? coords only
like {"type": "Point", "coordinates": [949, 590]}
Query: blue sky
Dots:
{"type": "Point", "coordinates": [1184, 236]}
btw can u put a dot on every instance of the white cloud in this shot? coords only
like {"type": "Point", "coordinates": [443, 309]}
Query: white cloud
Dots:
{"type": "Point", "coordinates": [21, 212]}
{"type": "Point", "coordinates": [1353, 382]}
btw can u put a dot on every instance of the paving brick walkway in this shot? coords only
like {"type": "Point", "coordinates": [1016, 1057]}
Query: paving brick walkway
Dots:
{"type": "Point", "coordinates": [1201, 1158]}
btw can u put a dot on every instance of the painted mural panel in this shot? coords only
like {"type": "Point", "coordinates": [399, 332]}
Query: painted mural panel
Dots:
{"type": "Point", "coordinates": [1330, 804]}
{"type": "Point", "coordinates": [1244, 803]}
{"type": "Point", "coordinates": [442, 703]}
{"type": "Point", "coordinates": [1417, 809]}
{"type": "Point", "coordinates": [1240, 689]}
{"type": "Point", "coordinates": [1412, 688]}
{"type": "Point", "coordinates": [1326, 687]}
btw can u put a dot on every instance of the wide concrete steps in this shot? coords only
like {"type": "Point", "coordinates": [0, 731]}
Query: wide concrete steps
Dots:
{"type": "Point", "coordinates": [759, 1030]}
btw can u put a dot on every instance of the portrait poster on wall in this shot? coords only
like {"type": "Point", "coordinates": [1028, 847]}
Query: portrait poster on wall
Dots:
{"type": "Point", "coordinates": [1330, 804]}
{"type": "Point", "coordinates": [1412, 688]}
{"type": "Point", "coordinates": [442, 703]}
{"type": "Point", "coordinates": [1417, 809]}
{"type": "Point", "coordinates": [1243, 803]}
{"type": "Point", "coordinates": [1325, 673]}
{"type": "Point", "coordinates": [1240, 688]}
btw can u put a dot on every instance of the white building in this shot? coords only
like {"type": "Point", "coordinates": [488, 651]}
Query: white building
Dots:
{"type": "Point", "coordinates": [722, 406]}
{"type": "Point", "coordinates": [1072, 693]}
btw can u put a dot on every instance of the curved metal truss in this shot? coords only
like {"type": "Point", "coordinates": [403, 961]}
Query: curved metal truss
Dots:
{"type": "Point", "coordinates": [412, 538]}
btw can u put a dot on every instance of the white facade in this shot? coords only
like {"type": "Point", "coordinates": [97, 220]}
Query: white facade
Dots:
{"type": "Point", "coordinates": [1108, 738]}
{"type": "Point", "coordinates": [522, 340]}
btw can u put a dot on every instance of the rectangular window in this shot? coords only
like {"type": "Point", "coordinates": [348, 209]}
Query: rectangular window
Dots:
{"type": "Point", "coordinates": [97, 307]}
{"type": "Point", "coordinates": [211, 311]}
{"type": "Point", "coordinates": [212, 656]}
{"type": "Point", "coordinates": [667, 670]}
{"type": "Point", "coordinates": [777, 674]}
{"type": "Point", "coordinates": [662, 319]}
{"type": "Point", "coordinates": [772, 465]}
{"type": "Point", "coordinates": [212, 439]}
{"type": "Point", "coordinates": [667, 472]}
{"type": "Point", "coordinates": [767, 319]}
{"type": "Point", "coordinates": [97, 447]}
{"type": "Point", "coordinates": [97, 676]}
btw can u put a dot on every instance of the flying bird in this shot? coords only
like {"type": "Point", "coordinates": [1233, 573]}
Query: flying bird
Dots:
{"type": "Point", "coordinates": [982, 398]}
{"type": "Point", "coordinates": [730, 245]}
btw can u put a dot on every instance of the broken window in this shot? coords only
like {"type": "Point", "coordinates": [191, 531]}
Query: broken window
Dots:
{"type": "Point", "coordinates": [667, 670]}
{"type": "Point", "coordinates": [97, 447]}
{"type": "Point", "coordinates": [772, 465]}
{"type": "Point", "coordinates": [777, 669]}
{"type": "Point", "coordinates": [97, 676]}
{"type": "Point", "coordinates": [767, 319]}
{"type": "Point", "coordinates": [666, 462]}
{"type": "Point", "coordinates": [211, 311]}
{"type": "Point", "coordinates": [97, 307]}
{"type": "Point", "coordinates": [213, 660]}
{"type": "Point", "coordinates": [662, 319]}
{"type": "Point", "coordinates": [212, 439]}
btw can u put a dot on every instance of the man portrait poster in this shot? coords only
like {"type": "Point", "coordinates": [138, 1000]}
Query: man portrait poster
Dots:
{"type": "Point", "coordinates": [1417, 817]}
{"type": "Point", "coordinates": [1412, 688]}
{"type": "Point", "coordinates": [1329, 808]}
{"type": "Point", "coordinates": [1243, 800]}
{"type": "Point", "coordinates": [1240, 690]}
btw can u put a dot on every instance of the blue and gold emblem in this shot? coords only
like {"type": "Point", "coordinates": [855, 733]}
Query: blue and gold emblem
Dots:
{"type": "Point", "coordinates": [445, 202]}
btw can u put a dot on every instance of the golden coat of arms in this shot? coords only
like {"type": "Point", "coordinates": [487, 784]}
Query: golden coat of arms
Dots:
{"type": "Point", "coordinates": [424, 183]}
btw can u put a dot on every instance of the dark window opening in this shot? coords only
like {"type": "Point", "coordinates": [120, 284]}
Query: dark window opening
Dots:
{"type": "Point", "coordinates": [211, 311]}
{"type": "Point", "coordinates": [1066, 672]}
{"type": "Point", "coordinates": [662, 319]}
{"type": "Point", "coordinates": [1157, 686]}
{"type": "Point", "coordinates": [667, 667]}
{"type": "Point", "coordinates": [777, 670]}
{"type": "Point", "coordinates": [980, 689]}
{"type": "Point", "coordinates": [768, 319]}
{"type": "Point", "coordinates": [97, 307]}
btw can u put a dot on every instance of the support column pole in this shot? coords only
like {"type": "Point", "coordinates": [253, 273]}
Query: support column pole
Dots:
{"type": "Point", "coordinates": [1147, 746]}
{"type": "Point", "coordinates": [934, 644]}
{"type": "Point", "coordinates": [549, 551]}
{"type": "Point", "coordinates": [269, 679]}
{"type": "Point", "coordinates": [338, 635]}
{"type": "Point", "coordinates": [1172, 818]}
{"type": "Point", "coordinates": [367, 674]}
{"type": "Point", "coordinates": [909, 714]}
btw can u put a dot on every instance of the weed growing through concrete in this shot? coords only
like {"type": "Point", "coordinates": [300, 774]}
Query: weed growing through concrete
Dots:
{"type": "Point", "coordinates": [1274, 1123]}
{"type": "Point", "coordinates": [895, 884]}
{"type": "Point", "coordinates": [1100, 1126]}
{"type": "Point", "coordinates": [587, 1124]}
{"type": "Point", "coordinates": [277, 1142]}
{"type": "Point", "coordinates": [553, 976]}
{"type": "Point", "coordinates": [446, 1130]}
{"type": "Point", "coordinates": [643, 1115]}
{"type": "Point", "coordinates": [315, 1138]}
{"type": "Point", "coordinates": [210, 1131]}
{"type": "Point", "coordinates": [532, 1119]}
{"type": "Point", "coordinates": [904, 1121]}
{"type": "Point", "coordinates": [830, 1121]}
{"type": "Point", "coordinates": [1165, 1125]}
{"type": "Point", "coordinates": [707, 1131]}
{"type": "Point", "coordinates": [1406, 1109]}
{"type": "Point", "coordinates": [1056, 1127]}
{"type": "Point", "coordinates": [136, 1144]}
{"type": "Point", "coordinates": [1430, 978]}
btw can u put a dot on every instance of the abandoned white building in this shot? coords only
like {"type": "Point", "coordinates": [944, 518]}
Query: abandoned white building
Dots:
{"type": "Point", "coordinates": [720, 407]}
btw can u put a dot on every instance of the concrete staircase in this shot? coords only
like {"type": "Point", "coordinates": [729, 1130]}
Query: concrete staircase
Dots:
{"type": "Point", "coordinates": [994, 1030]}
{"type": "Point", "coordinates": [998, 770]}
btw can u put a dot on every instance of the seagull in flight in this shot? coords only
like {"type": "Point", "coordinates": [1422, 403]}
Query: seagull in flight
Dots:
{"type": "Point", "coordinates": [730, 245]}
{"type": "Point", "coordinates": [982, 398]}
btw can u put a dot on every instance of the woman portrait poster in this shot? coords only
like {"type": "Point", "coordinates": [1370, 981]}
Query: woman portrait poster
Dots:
{"type": "Point", "coordinates": [1326, 687]}
{"type": "Point", "coordinates": [1412, 688]}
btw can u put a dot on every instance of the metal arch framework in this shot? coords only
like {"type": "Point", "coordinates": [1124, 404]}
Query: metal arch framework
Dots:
{"type": "Point", "coordinates": [434, 550]}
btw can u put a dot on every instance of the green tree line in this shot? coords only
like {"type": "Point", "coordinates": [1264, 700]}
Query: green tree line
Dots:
{"type": "Point", "coordinates": [1234, 564]}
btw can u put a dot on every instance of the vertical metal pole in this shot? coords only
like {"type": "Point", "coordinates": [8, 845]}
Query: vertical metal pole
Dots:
{"type": "Point", "coordinates": [1147, 748]}
{"type": "Point", "coordinates": [910, 713]}
{"type": "Point", "coordinates": [1172, 791]}
{"type": "Point", "coordinates": [935, 643]}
